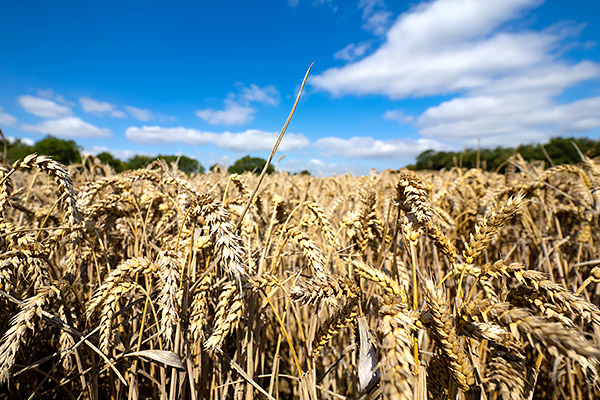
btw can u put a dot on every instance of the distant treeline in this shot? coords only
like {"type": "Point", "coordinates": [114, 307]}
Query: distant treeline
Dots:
{"type": "Point", "coordinates": [68, 152]}
{"type": "Point", "coordinates": [558, 150]}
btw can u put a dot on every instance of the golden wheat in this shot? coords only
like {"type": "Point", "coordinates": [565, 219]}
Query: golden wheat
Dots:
{"type": "Point", "coordinates": [156, 284]}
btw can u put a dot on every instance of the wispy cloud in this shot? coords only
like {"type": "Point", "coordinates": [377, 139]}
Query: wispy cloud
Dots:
{"type": "Point", "coordinates": [140, 113]}
{"type": "Point", "coordinates": [6, 119]}
{"type": "Point", "coordinates": [267, 95]}
{"type": "Point", "coordinates": [503, 81]}
{"type": "Point", "coordinates": [43, 107]}
{"type": "Point", "coordinates": [375, 16]}
{"type": "Point", "coordinates": [98, 107]}
{"type": "Point", "coordinates": [352, 51]}
{"type": "Point", "coordinates": [398, 116]}
{"type": "Point", "coordinates": [238, 108]}
{"type": "Point", "coordinates": [67, 127]}
{"type": "Point", "coordinates": [233, 114]}
{"type": "Point", "coordinates": [368, 147]}
{"type": "Point", "coordinates": [247, 141]}
{"type": "Point", "coordinates": [59, 98]}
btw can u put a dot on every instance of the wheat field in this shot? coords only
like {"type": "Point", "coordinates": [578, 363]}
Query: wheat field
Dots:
{"type": "Point", "coordinates": [459, 284]}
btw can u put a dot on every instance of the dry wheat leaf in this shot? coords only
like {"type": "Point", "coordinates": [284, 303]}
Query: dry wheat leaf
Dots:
{"type": "Point", "coordinates": [163, 356]}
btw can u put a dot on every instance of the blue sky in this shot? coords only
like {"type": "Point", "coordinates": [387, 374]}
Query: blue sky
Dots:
{"type": "Point", "coordinates": [216, 80]}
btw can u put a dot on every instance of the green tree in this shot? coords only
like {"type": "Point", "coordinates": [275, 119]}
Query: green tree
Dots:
{"type": "Point", "coordinates": [109, 159]}
{"type": "Point", "coordinates": [559, 150]}
{"type": "Point", "coordinates": [562, 151]}
{"type": "Point", "coordinates": [252, 164]}
{"type": "Point", "coordinates": [138, 161]}
{"type": "Point", "coordinates": [64, 151]}
{"type": "Point", "coordinates": [17, 150]}
{"type": "Point", "coordinates": [185, 164]}
{"type": "Point", "coordinates": [425, 160]}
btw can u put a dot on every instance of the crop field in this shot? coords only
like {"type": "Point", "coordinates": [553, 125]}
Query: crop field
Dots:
{"type": "Point", "coordinates": [459, 284]}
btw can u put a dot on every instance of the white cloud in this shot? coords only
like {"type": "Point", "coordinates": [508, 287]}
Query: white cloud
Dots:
{"type": "Point", "coordinates": [545, 80]}
{"type": "Point", "coordinates": [378, 22]}
{"type": "Point", "coordinates": [49, 94]}
{"type": "Point", "coordinates": [25, 140]}
{"type": "Point", "coordinates": [6, 119]}
{"type": "Point", "coordinates": [442, 47]}
{"type": "Point", "coordinates": [238, 109]}
{"type": "Point", "coordinates": [43, 107]}
{"type": "Point", "coordinates": [376, 18]}
{"type": "Point", "coordinates": [139, 113]}
{"type": "Point", "coordinates": [352, 51]}
{"type": "Point", "coordinates": [267, 95]}
{"type": "Point", "coordinates": [233, 114]}
{"type": "Point", "coordinates": [504, 82]}
{"type": "Point", "coordinates": [118, 114]}
{"type": "Point", "coordinates": [120, 154]}
{"type": "Point", "coordinates": [293, 3]}
{"type": "Point", "coordinates": [508, 118]}
{"type": "Point", "coordinates": [97, 107]}
{"type": "Point", "coordinates": [368, 147]}
{"type": "Point", "coordinates": [256, 140]}
{"type": "Point", "coordinates": [247, 141]}
{"type": "Point", "coordinates": [67, 127]}
{"type": "Point", "coordinates": [316, 167]}
{"type": "Point", "coordinates": [400, 70]}
{"type": "Point", "coordinates": [398, 116]}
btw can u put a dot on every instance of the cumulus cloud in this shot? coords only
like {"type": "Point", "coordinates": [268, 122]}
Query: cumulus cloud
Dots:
{"type": "Point", "coordinates": [67, 127]}
{"type": "Point", "coordinates": [233, 114]}
{"type": "Point", "coordinates": [256, 140]}
{"type": "Point", "coordinates": [43, 107]}
{"type": "Point", "coordinates": [505, 83]}
{"type": "Point", "coordinates": [97, 107]}
{"type": "Point", "coordinates": [238, 109]}
{"type": "Point", "coordinates": [247, 141]}
{"type": "Point", "coordinates": [367, 147]}
{"type": "Point", "coordinates": [6, 119]}
{"type": "Point", "coordinates": [443, 47]}
{"type": "Point", "coordinates": [509, 118]}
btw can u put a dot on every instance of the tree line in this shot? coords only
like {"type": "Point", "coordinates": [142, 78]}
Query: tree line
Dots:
{"type": "Point", "coordinates": [68, 152]}
{"type": "Point", "coordinates": [556, 150]}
